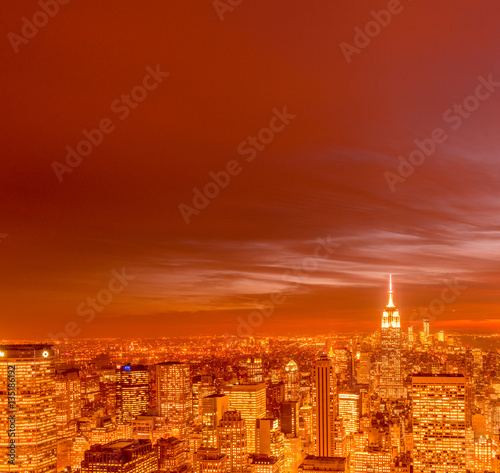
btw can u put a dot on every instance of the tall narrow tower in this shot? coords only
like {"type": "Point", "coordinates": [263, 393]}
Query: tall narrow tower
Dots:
{"type": "Point", "coordinates": [391, 386]}
{"type": "Point", "coordinates": [325, 409]}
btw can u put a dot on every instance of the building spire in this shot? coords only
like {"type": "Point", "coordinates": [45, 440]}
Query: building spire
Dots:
{"type": "Point", "coordinates": [390, 303]}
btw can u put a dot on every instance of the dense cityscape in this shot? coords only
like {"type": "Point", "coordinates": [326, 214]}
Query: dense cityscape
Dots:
{"type": "Point", "coordinates": [397, 400]}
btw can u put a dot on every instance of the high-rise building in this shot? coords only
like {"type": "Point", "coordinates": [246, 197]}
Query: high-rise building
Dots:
{"type": "Point", "coordinates": [289, 414]}
{"type": "Point", "coordinates": [426, 329]}
{"type": "Point", "coordinates": [391, 385]}
{"type": "Point", "coordinates": [28, 435]}
{"type": "Point", "coordinates": [254, 366]}
{"type": "Point", "coordinates": [121, 456]}
{"type": "Point", "coordinates": [411, 336]}
{"type": "Point", "coordinates": [68, 411]}
{"type": "Point", "coordinates": [270, 440]}
{"type": "Point", "coordinates": [292, 453]}
{"type": "Point", "coordinates": [292, 382]}
{"type": "Point", "coordinates": [214, 407]}
{"type": "Point", "coordinates": [439, 423]}
{"type": "Point", "coordinates": [132, 392]}
{"type": "Point", "coordinates": [232, 434]}
{"type": "Point", "coordinates": [174, 396]}
{"type": "Point", "coordinates": [324, 397]}
{"type": "Point", "coordinates": [250, 400]}
{"type": "Point", "coordinates": [362, 365]}
{"type": "Point", "coordinates": [349, 411]}
{"type": "Point", "coordinates": [201, 386]}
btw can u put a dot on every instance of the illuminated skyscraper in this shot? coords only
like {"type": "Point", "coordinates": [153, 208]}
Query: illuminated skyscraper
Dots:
{"type": "Point", "coordinates": [390, 339]}
{"type": "Point", "coordinates": [439, 430]}
{"type": "Point", "coordinates": [293, 454]}
{"type": "Point", "coordinates": [426, 329]}
{"type": "Point", "coordinates": [362, 364]}
{"type": "Point", "coordinates": [214, 407]}
{"type": "Point", "coordinates": [174, 396]}
{"type": "Point", "coordinates": [28, 435]}
{"type": "Point", "coordinates": [232, 434]}
{"type": "Point", "coordinates": [254, 370]}
{"type": "Point", "coordinates": [201, 386]}
{"type": "Point", "coordinates": [68, 410]}
{"type": "Point", "coordinates": [324, 396]}
{"type": "Point", "coordinates": [250, 400]}
{"type": "Point", "coordinates": [292, 382]}
{"type": "Point", "coordinates": [132, 392]}
{"type": "Point", "coordinates": [289, 413]}
{"type": "Point", "coordinates": [349, 411]}
{"type": "Point", "coordinates": [270, 440]}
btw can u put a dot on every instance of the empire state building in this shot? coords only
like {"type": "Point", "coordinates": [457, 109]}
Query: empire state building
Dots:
{"type": "Point", "coordinates": [391, 386]}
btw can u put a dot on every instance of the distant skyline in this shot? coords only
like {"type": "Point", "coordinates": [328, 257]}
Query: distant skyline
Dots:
{"type": "Point", "coordinates": [294, 138]}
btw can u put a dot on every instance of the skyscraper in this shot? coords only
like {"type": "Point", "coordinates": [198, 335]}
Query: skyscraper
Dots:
{"type": "Point", "coordinates": [289, 414]}
{"type": "Point", "coordinates": [426, 329]}
{"type": "Point", "coordinates": [324, 395]}
{"type": "Point", "coordinates": [349, 411]}
{"type": "Point", "coordinates": [250, 400]}
{"type": "Point", "coordinates": [214, 407]}
{"type": "Point", "coordinates": [391, 386]}
{"type": "Point", "coordinates": [174, 396]}
{"type": "Point", "coordinates": [28, 436]}
{"type": "Point", "coordinates": [68, 411]}
{"type": "Point", "coordinates": [254, 366]}
{"type": "Point", "coordinates": [132, 392]}
{"type": "Point", "coordinates": [232, 434]}
{"type": "Point", "coordinates": [439, 423]}
{"type": "Point", "coordinates": [292, 382]}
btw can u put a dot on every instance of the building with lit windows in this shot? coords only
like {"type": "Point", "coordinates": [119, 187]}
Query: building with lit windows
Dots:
{"type": "Point", "coordinates": [391, 385]}
{"type": "Point", "coordinates": [250, 401]}
{"type": "Point", "coordinates": [68, 411]}
{"type": "Point", "coordinates": [264, 464]}
{"type": "Point", "coordinates": [214, 407]}
{"type": "Point", "coordinates": [201, 386]}
{"type": "Point", "coordinates": [292, 453]}
{"type": "Point", "coordinates": [174, 396]}
{"type": "Point", "coordinates": [28, 432]}
{"type": "Point", "coordinates": [292, 382]}
{"type": "Point", "coordinates": [172, 454]}
{"type": "Point", "coordinates": [349, 411]}
{"type": "Point", "coordinates": [121, 456]}
{"type": "Point", "coordinates": [232, 435]}
{"type": "Point", "coordinates": [324, 397]}
{"type": "Point", "coordinates": [210, 460]}
{"type": "Point", "coordinates": [270, 439]}
{"type": "Point", "coordinates": [132, 392]}
{"type": "Point", "coordinates": [439, 423]}
{"type": "Point", "coordinates": [485, 452]}
{"type": "Point", "coordinates": [362, 365]}
{"type": "Point", "coordinates": [371, 461]}
{"type": "Point", "coordinates": [254, 366]}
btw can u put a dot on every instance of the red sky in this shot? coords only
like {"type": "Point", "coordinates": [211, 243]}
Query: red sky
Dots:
{"type": "Point", "coordinates": [322, 176]}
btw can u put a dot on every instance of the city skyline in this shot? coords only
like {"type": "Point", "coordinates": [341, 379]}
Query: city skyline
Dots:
{"type": "Point", "coordinates": [183, 173]}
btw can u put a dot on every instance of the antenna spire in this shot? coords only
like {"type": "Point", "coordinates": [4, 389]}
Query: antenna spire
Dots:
{"type": "Point", "coordinates": [390, 303]}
